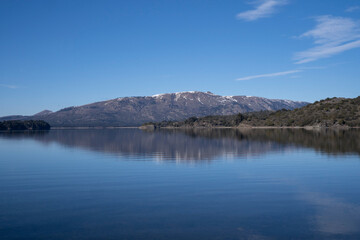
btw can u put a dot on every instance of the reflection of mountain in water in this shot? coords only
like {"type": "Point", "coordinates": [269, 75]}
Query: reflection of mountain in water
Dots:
{"type": "Point", "coordinates": [198, 144]}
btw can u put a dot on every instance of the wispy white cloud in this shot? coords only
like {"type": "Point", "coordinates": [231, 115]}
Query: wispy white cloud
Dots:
{"type": "Point", "coordinates": [9, 86]}
{"type": "Point", "coordinates": [269, 75]}
{"type": "Point", "coordinates": [353, 9]}
{"type": "Point", "coordinates": [331, 35]}
{"type": "Point", "coordinates": [263, 8]}
{"type": "Point", "coordinates": [314, 68]}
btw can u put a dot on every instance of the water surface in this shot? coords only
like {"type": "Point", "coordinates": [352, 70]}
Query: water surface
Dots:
{"type": "Point", "coordinates": [180, 184]}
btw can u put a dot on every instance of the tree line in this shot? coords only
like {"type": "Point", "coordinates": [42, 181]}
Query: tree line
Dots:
{"type": "Point", "coordinates": [24, 125]}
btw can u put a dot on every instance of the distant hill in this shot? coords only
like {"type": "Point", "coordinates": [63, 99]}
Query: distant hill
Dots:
{"type": "Point", "coordinates": [43, 113]}
{"type": "Point", "coordinates": [134, 111]}
{"type": "Point", "coordinates": [331, 112]}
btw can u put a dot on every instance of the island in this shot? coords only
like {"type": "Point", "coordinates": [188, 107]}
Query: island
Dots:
{"type": "Point", "coordinates": [24, 125]}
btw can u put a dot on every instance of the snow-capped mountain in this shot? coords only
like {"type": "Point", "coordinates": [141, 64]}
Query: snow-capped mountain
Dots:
{"type": "Point", "coordinates": [133, 111]}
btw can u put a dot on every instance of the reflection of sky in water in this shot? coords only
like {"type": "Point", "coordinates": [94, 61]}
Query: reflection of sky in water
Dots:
{"type": "Point", "coordinates": [140, 185]}
{"type": "Point", "coordinates": [334, 216]}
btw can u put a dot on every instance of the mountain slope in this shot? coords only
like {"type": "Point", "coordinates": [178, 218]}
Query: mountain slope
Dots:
{"type": "Point", "coordinates": [331, 112]}
{"type": "Point", "coordinates": [134, 111]}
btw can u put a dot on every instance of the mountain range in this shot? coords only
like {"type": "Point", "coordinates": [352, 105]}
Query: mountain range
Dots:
{"type": "Point", "coordinates": [134, 111]}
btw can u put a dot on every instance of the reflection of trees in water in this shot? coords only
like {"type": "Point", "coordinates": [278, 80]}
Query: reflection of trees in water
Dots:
{"type": "Point", "coordinates": [332, 141]}
{"type": "Point", "coordinates": [199, 144]}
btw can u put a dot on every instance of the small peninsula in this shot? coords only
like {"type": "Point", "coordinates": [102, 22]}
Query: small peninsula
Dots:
{"type": "Point", "coordinates": [24, 125]}
{"type": "Point", "coordinates": [330, 112]}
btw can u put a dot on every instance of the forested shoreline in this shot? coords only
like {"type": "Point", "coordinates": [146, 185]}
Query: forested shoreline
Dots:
{"type": "Point", "coordinates": [24, 125]}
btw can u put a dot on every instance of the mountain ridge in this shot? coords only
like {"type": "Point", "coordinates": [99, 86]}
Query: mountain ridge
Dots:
{"type": "Point", "coordinates": [326, 113]}
{"type": "Point", "coordinates": [134, 111]}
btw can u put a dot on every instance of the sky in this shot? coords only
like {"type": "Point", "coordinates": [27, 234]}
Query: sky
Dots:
{"type": "Point", "coordinates": [56, 54]}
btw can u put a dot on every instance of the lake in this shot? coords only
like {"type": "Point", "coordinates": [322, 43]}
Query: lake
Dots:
{"type": "Point", "coordinates": [180, 184]}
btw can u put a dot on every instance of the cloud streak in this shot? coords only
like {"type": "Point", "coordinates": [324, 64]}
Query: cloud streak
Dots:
{"type": "Point", "coordinates": [331, 36]}
{"type": "Point", "coordinates": [264, 8]}
{"type": "Point", "coordinates": [269, 75]}
{"type": "Point", "coordinates": [352, 9]}
{"type": "Point", "coordinates": [9, 86]}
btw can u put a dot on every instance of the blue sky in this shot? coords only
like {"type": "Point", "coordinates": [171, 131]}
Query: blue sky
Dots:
{"type": "Point", "coordinates": [56, 54]}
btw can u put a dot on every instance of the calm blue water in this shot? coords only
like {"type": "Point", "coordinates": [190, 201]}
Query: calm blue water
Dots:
{"type": "Point", "coordinates": [203, 184]}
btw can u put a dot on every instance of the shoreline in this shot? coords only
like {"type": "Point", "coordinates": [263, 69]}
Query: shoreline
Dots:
{"type": "Point", "coordinates": [150, 127]}
{"type": "Point", "coordinates": [217, 127]}
{"type": "Point", "coordinates": [65, 128]}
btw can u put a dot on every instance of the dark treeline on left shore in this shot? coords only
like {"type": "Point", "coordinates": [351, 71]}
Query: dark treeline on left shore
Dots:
{"type": "Point", "coordinates": [24, 125]}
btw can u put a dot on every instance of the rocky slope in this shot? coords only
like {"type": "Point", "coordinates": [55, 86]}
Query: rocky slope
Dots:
{"type": "Point", "coordinates": [134, 111]}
